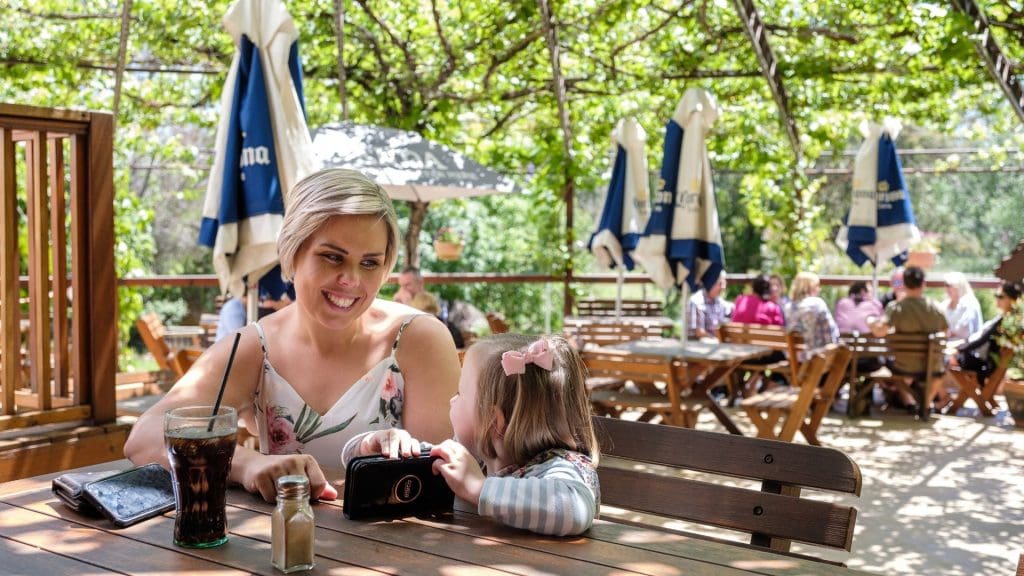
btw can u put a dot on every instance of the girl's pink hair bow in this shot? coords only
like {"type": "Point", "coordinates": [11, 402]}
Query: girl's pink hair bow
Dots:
{"type": "Point", "coordinates": [514, 361]}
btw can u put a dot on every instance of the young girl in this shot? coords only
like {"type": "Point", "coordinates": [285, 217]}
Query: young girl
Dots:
{"type": "Point", "coordinates": [522, 412]}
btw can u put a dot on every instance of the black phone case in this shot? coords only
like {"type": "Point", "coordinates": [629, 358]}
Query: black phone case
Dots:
{"type": "Point", "coordinates": [132, 496]}
{"type": "Point", "coordinates": [379, 487]}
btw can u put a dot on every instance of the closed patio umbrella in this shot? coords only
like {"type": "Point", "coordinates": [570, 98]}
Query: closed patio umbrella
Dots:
{"type": "Point", "coordinates": [682, 244]}
{"type": "Point", "coordinates": [880, 225]}
{"type": "Point", "coordinates": [263, 147]}
{"type": "Point", "coordinates": [626, 205]}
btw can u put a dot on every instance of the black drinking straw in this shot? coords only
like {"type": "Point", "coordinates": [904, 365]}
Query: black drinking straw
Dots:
{"type": "Point", "coordinates": [224, 381]}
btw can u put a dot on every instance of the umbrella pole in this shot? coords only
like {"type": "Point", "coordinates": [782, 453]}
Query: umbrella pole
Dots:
{"type": "Point", "coordinates": [874, 281]}
{"type": "Point", "coordinates": [684, 305]}
{"type": "Point", "coordinates": [618, 293]}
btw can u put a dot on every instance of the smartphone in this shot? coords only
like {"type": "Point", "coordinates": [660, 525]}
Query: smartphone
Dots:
{"type": "Point", "coordinates": [132, 496]}
{"type": "Point", "coordinates": [379, 487]}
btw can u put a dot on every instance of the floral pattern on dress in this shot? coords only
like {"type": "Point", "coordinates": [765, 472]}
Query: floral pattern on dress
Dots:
{"type": "Point", "coordinates": [392, 400]}
{"type": "Point", "coordinates": [288, 435]}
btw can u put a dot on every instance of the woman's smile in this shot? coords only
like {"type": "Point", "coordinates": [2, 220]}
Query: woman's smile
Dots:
{"type": "Point", "coordinates": [339, 301]}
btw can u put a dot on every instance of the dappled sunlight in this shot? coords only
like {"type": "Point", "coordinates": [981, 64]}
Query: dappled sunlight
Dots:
{"type": "Point", "coordinates": [766, 564]}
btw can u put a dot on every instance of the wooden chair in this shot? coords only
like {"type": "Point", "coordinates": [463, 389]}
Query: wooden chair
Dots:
{"type": "Point", "coordinates": [496, 322]}
{"type": "Point", "coordinates": [606, 333]}
{"type": "Point", "coordinates": [657, 386]}
{"type": "Point", "coordinates": [775, 337]}
{"type": "Point", "coordinates": [606, 307]}
{"type": "Point", "coordinates": [773, 513]}
{"type": "Point", "coordinates": [983, 393]}
{"type": "Point", "coordinates": [922, 347]}
{"type": "Point", "coordinates": [152, 331]}
{"type": "Point", "coordinates": [804, 404]}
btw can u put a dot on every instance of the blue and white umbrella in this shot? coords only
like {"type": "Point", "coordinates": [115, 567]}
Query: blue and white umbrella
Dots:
{"type": "Point", "coordinates": [880, 225]}
{"type": "Point", "coordinates": [627, 203]}
{"type": "Point", "coordinates": [682, 244]}
{"type": "Point", "coordinates": [263, 146]}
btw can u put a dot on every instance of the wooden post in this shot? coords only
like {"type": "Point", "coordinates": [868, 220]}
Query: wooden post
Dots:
{"type": "Point", "coordinates": [102, 301]}
{"type": "Point", "coordinates": [10, 316]}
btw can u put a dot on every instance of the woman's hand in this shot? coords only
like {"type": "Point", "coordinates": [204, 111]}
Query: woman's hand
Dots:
{"type": "Point", "coordinates": [259, 473]}
{"type": "Point", "coordinates": [390, 443]}
{"type": "Point", "coordinates": [460, 470]}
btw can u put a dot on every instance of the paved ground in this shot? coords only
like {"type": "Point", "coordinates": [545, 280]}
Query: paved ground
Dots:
{"type": "Point", "coordinates": [942, 498]}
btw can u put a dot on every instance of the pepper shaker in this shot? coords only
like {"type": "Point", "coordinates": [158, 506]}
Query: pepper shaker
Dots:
{"type": "Point", "coordinates": [292, 526]}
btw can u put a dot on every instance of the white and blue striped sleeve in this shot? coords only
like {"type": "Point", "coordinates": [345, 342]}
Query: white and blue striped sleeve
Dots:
{"type": "Point", "coordinates": [553, 498]}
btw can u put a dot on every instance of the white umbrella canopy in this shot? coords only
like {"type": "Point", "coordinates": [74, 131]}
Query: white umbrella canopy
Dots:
{"type": "Point", "coordinates": [407, 165]}
{"type": "Point", "coordinates": [682, 244]}
{"type": "Point", "coordinates": [263, 145]}
{"type": "Point", "coordinates": [627, 202]}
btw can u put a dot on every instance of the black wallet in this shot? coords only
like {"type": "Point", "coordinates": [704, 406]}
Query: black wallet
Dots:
{"type": "Point", "coordinates": [125, 497]}
{"type": "Point", "coordinates": [379, 487]}
{"type": "Point", "coordinates": [68, 489]}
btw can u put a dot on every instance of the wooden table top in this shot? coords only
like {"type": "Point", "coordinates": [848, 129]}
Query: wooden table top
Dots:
{"type": "Point", "coordinates": [39, 535]}
{"type": "Point", "coordinates": [696, 350]}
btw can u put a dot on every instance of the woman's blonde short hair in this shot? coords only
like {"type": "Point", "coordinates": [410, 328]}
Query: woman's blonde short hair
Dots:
{"type": "Point", "coordinates": [804, 285]}
{"type": "Point", "coordinates": [959, 282]}
{"type": "Point", "coordinates": [328, 193]}
{"type": "Point", "coordinates": [542, 408]}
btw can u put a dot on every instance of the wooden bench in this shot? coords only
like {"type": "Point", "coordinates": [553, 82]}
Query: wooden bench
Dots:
{"type": "Point", "coordinates": [657, 386]}
{"type": "Point", "coordinates": [606, 307]}
{"type": "Point", "coordinates": [607, 332]}
{"type": "Point", "coordinates": [908, 346]}
{"type": "Point", "coordinates": [45, 448]}
{"type": "Point", "coordinates": [982, 393]}
{"type": "Point", "coordinates": [772, 513]}
{"type": "Point", "coordinates": [805, 403]}
{"type": "Point", "coordinates": [788, 342]}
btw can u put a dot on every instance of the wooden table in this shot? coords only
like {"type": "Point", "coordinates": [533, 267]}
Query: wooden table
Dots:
{"type": "Point", "coordinates": [714, 361]}
{"type": "Point", "coordinates": [39, 535]}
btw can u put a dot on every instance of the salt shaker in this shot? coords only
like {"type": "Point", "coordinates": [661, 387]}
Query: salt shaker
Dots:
{"type": "Point", "coordinates": [292, 526]}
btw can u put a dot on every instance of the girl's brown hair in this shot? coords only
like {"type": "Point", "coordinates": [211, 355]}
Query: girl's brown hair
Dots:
{"type": "Point", "coordinates": [543, 409]}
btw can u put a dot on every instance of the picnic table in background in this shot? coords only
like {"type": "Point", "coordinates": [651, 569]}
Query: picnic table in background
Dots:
{"type": "Point", "coordinates": [709, 362]}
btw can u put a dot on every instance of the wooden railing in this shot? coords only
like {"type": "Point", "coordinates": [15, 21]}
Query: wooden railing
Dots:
{"type": "Point", "coordinates": [58, 336]}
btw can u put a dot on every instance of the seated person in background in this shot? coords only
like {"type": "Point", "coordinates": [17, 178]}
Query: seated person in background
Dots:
{"type": "Point", "coordinates": [808, 314]}
{"type": "Point", "coordinates": [778, 292]}
{"type": "Point", "coordinates": [757, 307]}
{"type": "Point", "coordinates": [977, 353]}
{"type": "Point", "coordinates": [962, 310]}
{"type": "Point", "coordinates": [896, 290]}
{"type": "Point", "coordinates": [912, 314]}
{"type": "Point", "coordinates": [410, 283]}
{"type": "Point", "coordinates": [231, 318]}
{"type": "Point", "coordinates": [707, 309]}
{"type": "Point", "coordinates": [853, 310]}
{"type": "Point", "coordinates": [426, 302]}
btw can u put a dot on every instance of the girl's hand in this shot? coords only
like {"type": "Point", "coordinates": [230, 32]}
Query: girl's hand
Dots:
{"type": "Point", "coordinates": [390, 443]}
{"type": "Point", "coordinates": [460, 470]}
{"type": "Point", "coordinates": [261, 471]}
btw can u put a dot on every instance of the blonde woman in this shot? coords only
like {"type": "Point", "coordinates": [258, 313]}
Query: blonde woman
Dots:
{"type": "Point", "coordinates": [808, 314]}
{"type": "Point", "coordinates": [337, 362]}
{"type": "Point", "coordinates": [961, 307]}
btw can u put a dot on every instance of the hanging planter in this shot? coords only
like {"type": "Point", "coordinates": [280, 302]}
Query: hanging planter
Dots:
{"type": "Point", "coordinates": [924, 252]}
{"type": "Point", "coordinates": [448, 244]}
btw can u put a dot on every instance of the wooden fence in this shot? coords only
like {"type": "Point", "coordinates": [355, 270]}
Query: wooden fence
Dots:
{"type": "Point", "coordinates": [58, 326]}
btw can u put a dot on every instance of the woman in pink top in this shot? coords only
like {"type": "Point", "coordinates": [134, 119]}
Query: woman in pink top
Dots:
{"type": "Point", "coordinates": [853, 311]}
{"type": "Point", "coordinates": [757, 307]}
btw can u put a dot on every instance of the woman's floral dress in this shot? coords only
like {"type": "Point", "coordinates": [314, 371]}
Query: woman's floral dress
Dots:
{"type": "Point", "coordinates": [287, 425]}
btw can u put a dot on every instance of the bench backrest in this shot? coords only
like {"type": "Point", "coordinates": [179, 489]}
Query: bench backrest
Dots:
{"type": "Point", "coordinates": [151, 329]}
{"type": "Point", "coordinates": [908, 346]}
{"type": "Point", "coordinates": [606, 307]}
{"type": "Point", "coordinates": [775, 337]}
{"type": "Point", "coordinates": [596, 334]}
{"type": "Point", "coordinates": [773, 514]}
